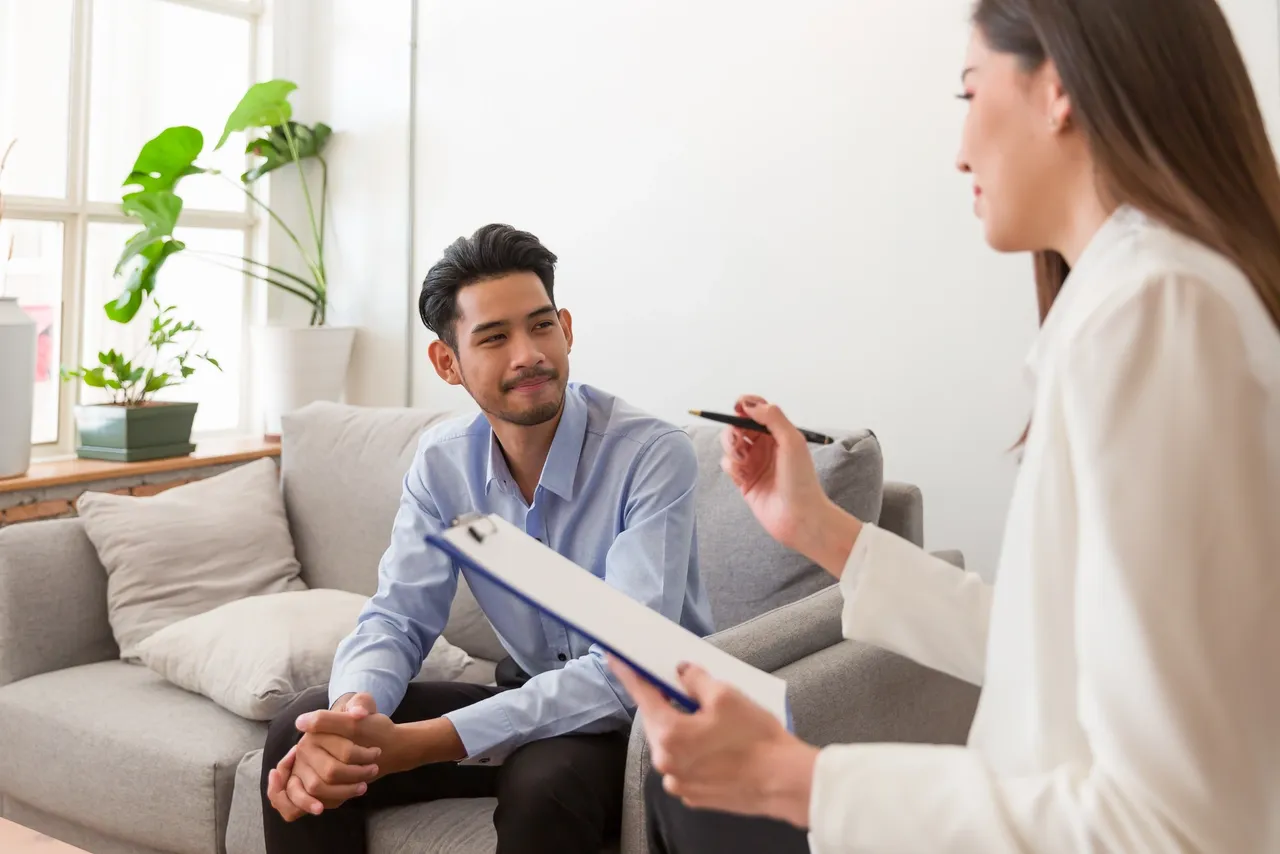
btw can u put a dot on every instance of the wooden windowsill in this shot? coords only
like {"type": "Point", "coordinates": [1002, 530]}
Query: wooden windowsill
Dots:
{"type": "Point", "coordinates": [208, 452]}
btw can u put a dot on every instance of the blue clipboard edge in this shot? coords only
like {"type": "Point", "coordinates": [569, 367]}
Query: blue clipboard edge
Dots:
{"type": "Point", "coordinates": [682, 699]}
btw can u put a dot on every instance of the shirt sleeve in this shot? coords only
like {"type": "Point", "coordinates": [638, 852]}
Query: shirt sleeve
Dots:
{"type": "Point", "coordinates": [1175, 623]}
{"type": "Point", "coordinates": [900, 598]}
{"type": "Point", "coordinates": [396, 628]}
{"type": "Point", "coordinates": [649, 561]}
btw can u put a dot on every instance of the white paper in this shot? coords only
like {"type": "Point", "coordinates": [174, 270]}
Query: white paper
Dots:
{"type": "Point", "coordinates": [616, 621]}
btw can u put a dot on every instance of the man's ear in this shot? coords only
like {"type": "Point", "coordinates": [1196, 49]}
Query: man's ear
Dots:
{"type": "Point", "coordinates": [566, 323]}
{"type": "Point", "coordinates": [445, 361]}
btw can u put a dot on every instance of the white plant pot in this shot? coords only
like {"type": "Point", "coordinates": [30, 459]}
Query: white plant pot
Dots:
{"type": "Point", "coordinates": [297, 365]}
{"type": "Point", "coordinates": [17, 387]}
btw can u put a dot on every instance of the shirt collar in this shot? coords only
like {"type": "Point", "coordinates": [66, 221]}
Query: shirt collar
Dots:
{"type": "Point", "coordinates": [560, 471]}
{"type": "Point", "coordinates": [1117, 227]}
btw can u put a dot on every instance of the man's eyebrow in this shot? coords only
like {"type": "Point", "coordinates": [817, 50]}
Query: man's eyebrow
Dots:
{"type": "Point", "coordinates": [485, 327]}
{"type": "Point", "coordinates": [497, 324]}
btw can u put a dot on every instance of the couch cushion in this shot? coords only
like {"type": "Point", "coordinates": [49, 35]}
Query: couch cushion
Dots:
{"type": "Point", "coordinates": [745, 572]}
{"type": "Point", "coordinates": [343, 469]}
{"type": "Point", "coordinates": [190, 549]}
{"type": "Point", "coordinates": [137, 758]}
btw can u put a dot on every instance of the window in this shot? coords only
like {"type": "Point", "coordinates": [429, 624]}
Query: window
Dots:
{"type": "Point", "coordinates": [83, 84]}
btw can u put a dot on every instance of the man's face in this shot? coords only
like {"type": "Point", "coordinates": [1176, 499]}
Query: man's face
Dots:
{"type": "Point", "coordinates": [513, 349]}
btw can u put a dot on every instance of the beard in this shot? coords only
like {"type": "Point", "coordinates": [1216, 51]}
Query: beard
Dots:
{"type": "Point", "coordinates": [532, 415]}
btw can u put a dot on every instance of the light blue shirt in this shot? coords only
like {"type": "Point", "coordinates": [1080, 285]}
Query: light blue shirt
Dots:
{"type": "Point", "coordinates": [616, 497]}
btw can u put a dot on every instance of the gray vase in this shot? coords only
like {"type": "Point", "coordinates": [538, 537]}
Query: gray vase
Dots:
{"type": "Point", "coordinates": [17, 387]}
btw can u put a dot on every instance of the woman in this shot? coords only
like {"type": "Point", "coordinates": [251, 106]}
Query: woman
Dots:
{"type": "Point", "coordinates": [1128, 653]}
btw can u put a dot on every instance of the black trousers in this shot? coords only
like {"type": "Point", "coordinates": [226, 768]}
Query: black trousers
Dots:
{"type": "Point", "coordinates": [561, 795]}
{"type": "Point", "coordinates": [677, 829]}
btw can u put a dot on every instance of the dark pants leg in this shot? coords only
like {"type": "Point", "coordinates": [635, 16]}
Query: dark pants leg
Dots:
{"type": "Point", "coordinates": [677, 829]}
{"type": "Point", "coordinates": [343, 829]}
{"type": "Point", "coordinates": [561, 795]}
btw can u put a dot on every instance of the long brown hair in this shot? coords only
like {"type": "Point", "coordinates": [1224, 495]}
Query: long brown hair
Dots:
{"type": "Point", "coordinates": [1161, 93]}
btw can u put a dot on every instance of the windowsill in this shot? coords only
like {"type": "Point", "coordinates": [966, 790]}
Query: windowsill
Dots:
{"type": "Point", "coordinates": [208, 452]}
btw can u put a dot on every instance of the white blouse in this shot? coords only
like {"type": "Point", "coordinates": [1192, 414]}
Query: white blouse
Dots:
{"type": "Point", "coordinates": [1129, 655]}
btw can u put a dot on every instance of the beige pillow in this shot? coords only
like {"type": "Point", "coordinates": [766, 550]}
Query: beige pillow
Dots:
{"type": "Point", "coordinates": [253, 657]}
{"type": "Point", "coordinates": [190, 549]}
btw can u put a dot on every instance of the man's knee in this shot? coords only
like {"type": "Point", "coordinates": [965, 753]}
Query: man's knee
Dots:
{"type": "Point", "coordinates": [567, 776]}
{"type": "Point", "coordinates": [282, 732]}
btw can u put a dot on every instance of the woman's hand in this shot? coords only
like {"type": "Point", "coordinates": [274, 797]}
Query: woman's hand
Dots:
{"type": "Point", "coordinates": [777, 478]}
{"type": "Point", "coordinates": [731, 755]}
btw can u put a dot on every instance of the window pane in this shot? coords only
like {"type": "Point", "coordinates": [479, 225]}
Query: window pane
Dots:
{"type": "Point", "coordinates": [210, 295]}
{"type": "Point", "coordinates": [34, 276]}
{"type": "Point", "coordinates": [156, 65]}
{"type": "Point", "coordinates": [35, 84]}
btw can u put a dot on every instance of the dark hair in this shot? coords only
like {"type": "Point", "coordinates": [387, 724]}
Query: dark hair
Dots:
{"type": "Point", "coordinates": [1161, 93]}
{"type": "Point", "coordinates": [494, 250]}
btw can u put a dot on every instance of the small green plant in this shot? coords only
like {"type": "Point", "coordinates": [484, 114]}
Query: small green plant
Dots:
{"type": "Point", "coordinates": [171, 157]}
{"type": "Point", "coordinates": [167, 360]}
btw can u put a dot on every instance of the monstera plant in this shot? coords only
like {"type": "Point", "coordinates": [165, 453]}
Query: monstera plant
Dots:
{"type": "Point", "coordinates": [152, 197]}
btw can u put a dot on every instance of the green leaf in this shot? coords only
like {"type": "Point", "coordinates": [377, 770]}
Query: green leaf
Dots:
{"type": "Point", "coordinates": [274, 147]}
{"type": "Point", "coordinates": [114, 384]}
{"type": "Point", "coordinates": [264, 105]}
{"type": "Point", "coordinates": [94, 378]}
{"type": "Point", "coordinates": [141, 280]}
{"type": "Point", "coordinates": [167, 159]}
{"type": "Point", "coordinates": [159, 213]}
{"type": "Point", "coordinates": [155, 382]}
{"type": "Point", "coordinates": [187, 371]}
{"type": "Point", "coordinates": [136, 375]}
{"type": "Point", "coordinates": [211, 361]}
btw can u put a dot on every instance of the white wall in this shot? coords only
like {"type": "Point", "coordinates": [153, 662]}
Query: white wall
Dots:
{"type": "Point", "coordinates": [746, 196]}
{"type": "Point", "coordinates": [351, 61]}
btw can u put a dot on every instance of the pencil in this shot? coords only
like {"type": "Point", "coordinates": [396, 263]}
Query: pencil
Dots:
{"type": "Point", "coordinates": [748, 424]}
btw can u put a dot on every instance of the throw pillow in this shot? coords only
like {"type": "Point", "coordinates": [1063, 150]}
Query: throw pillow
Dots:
{"type": "Point", "coordinates": [255, 656]}
{"type": "Point", "coordinates": [190, 549]}
{"type": "Point", "coordinates": [745, 571]}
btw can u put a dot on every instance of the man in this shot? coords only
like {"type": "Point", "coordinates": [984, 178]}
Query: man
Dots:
{"type": "Point", "coordinates": [605, 485]}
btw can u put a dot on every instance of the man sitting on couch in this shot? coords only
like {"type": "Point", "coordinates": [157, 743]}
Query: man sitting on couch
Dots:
{"type": "Point", "coordinates": [602, 483]}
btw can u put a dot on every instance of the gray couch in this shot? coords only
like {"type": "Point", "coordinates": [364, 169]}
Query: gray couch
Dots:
{"type": "Point", "coordinates": [108, 756]}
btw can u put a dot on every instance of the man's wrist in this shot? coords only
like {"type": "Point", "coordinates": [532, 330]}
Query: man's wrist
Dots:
{"type": "Point", "coordinates": [432, 741]}
{"type": "Point", "coordinates": [340, 704]}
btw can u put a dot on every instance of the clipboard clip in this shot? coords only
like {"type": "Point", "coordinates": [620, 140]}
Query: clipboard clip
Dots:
{"type": "Point", "coordinates": [478, 525]}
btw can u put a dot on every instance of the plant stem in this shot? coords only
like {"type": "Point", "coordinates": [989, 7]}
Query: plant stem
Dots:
{"type": "Point", "coordinates": [318, 273]}
{"type": "Point", "coordinates": [301, 281]}
{"type": "Point", "coordinates": [324, 203]}
{"type": "Point", "coordinates": [311, 212]}
{"type": "Point", "coordinates": [311, 299]}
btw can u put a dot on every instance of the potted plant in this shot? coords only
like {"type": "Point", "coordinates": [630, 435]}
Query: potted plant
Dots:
{"type": "Point", "coordinates": [294, 365]}
{"type": "Point", "coordinates": [134, 425]}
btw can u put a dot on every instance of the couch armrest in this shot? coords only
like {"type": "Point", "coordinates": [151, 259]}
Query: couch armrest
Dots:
{"type": "Point", "coordinates": [53, 600]}
{"type": "Point", "coordinates": [902, 511]}
{"type": "Point", "coordinates": [853, 692]}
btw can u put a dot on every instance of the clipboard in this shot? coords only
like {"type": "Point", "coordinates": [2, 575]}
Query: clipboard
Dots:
{"type": "Point", "coordinates": [646, 641]}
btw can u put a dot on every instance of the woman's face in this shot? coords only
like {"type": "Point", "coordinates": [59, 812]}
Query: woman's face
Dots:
{"type": "Point", "coordinates": [1012, 146]}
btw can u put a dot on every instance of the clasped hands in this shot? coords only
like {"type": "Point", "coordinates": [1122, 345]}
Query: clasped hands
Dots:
{"type": "Point", "coordinates": [341, 752]}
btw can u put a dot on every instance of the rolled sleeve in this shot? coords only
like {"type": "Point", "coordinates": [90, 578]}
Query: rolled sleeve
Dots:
{"type": "Point", "coordinates": [399, 624]}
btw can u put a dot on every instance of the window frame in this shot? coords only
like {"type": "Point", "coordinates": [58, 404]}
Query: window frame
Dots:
{"type": "Point", "coordinates": [76, 211]}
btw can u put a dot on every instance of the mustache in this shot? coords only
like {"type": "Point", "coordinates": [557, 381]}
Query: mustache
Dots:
{"type": "Point", "coordinates": [530, 374]}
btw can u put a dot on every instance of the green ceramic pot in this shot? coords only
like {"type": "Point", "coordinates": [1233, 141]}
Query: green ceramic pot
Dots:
{"type": "Point", "coordinates": [127, 434]}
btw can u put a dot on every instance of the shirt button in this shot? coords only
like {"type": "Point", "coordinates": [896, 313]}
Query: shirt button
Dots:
{"type": "Point", "coordinates": [562, 657]}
